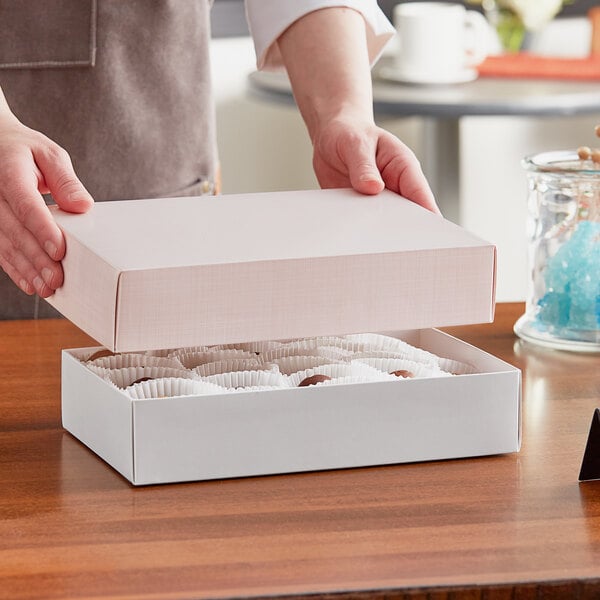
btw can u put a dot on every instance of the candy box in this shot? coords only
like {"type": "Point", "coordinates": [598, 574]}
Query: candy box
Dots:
{"type": "Point", "coordinates": [155, 274]}
{"type": "Point", "coordinates": [182, 272]}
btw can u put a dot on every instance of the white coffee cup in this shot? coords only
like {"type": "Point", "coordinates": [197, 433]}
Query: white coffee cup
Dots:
{"type": "Point", "coordinates": [439, 42]}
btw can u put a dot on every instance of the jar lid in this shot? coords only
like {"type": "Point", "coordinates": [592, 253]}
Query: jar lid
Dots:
{"type": "Point", "coordinates": [561, 162]}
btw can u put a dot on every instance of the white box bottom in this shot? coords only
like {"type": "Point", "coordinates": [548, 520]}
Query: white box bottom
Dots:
{"type": "Point", "coordinates": [299, 429]}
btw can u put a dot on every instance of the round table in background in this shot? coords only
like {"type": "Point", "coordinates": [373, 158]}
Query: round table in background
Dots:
{"type": "Point", "coordinates": [442, 106]}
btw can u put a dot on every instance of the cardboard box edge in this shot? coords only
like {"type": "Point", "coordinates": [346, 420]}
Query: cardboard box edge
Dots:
{"type": "Point", "coordinates": [508, 378]}
{"type": "Point", "coordinates": [77, 300]}
{"type": "Point", "coordinates": [86, 414]}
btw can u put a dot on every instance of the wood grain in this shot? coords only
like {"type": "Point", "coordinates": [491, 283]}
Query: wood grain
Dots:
{"type": "Point", "coordinates": [516, 526]}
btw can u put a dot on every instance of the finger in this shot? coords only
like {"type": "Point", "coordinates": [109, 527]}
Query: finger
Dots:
{"type": "Point", "coordinates": [402, 173]}
{"type": "Point", "coordinates": [42, 186]}
{"type": "Point", "coordinates": [29, 209]}
{"type": "Point", "coordinates": [57, 170]}
{"type": "Point", "coordinates": [328, 176]}
{"type": "Point", "coordinates": [16, 277]}
{"type": "Point", "coordinates": [409, 181]}
{"type": "Point", "coordinates": [19, 249]}
{"type": "Point", "coordinates": [359, 157]}
{"type": "Point", "coordinates": [21, 271]}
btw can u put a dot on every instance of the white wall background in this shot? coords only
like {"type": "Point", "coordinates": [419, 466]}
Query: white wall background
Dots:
{"type": "Point", "coordinates": [264, 147]}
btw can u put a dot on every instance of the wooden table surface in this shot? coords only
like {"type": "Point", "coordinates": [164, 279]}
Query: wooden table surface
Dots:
{"type": "Point", "coordinates": [511, 526]}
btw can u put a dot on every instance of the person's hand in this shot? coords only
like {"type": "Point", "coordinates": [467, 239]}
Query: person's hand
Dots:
{"type": "Point", "coordinates": [31, 244]}
{"type": "Point", "coordinates": [326, 54]}
{"type": "Point", "coordinates": [351, 153]}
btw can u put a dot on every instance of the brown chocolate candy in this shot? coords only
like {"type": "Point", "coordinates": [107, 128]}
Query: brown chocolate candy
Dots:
{"type": "Point", "coordinates": [584, 152]}
{"type": "Point", "coordinates": [313, 379]}
{"type": "Point", "coordinates": [142, 379]}
{"type": "Point", "coordinates": [402, 373]}
{"type": "Point", "coordinates": [101, 354]}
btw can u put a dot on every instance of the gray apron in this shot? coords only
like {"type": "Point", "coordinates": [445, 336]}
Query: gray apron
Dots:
{"type": "Point", "coordinates": [123, 86]}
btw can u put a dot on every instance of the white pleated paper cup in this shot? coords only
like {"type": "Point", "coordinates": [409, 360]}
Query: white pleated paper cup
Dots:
{"type": "Point", "coordinates": [126, 376]}
{"type": "Point", "coordinates": [301, 347]}
{"type": "Point", "coordinates": [254, 388]}
{"type": "Point", "coordinates": [287, 351]}
{"type": "Point", "coordinates": [334, 371]}
{"type": "Point", "coordinates": [413, 369]}
{"type": "Point", "coordinates": [423, 359]}
{"type": "Point", "coordinates": [335, 353]}
{"type": "Point", "coordinates": [248, 379]}
{"type": "Point", "coordinates": [383, 354]}
{"type": "Point", "coordinates": [105, 353]}
{"type": "Point", "coordinates": [189, 350]}
{"type": "Point", "coordinates": [193, 359]}
{"type": "Point", "coordinates": [292, 364]}
{"type": "Point", "coordinates": [352, 379]}
{"type": "Point", "coordinates": [121, 361]}
{"type": "Point", "coordinates": [260, 347]}
{"type": "Point", "coordinates": [230, 366]}
{"type": "Point", "coordinates": [312, 347]}
{"type": "Point", "coordinates": [378, 342]}
{"type": "Point", "coordinates": [446, 365]}
{"type": "Point", "coordinates": [172, 387]}
{"type": "Point", "coordinates": [254, 347]}
{"type": "Point", "coordinates": [375, 341]}
{"type": "Point", "coordinates": [340, 341]}
{"type": "Point", "coordinates": [457, 368]}
{"type": "Point", "coordinates": [165, 353]}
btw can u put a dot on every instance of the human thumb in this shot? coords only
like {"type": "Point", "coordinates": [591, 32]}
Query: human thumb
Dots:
{"type": "Point", "coordinates": [362, 169]}
{"type": "Point", "coordinates": [62, 182]}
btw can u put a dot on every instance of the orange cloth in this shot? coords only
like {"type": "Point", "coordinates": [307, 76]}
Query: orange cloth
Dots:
{"type": "Point", "coordinates": [527, 65]}
{"type": "Point", "coordinates": [594, 17]}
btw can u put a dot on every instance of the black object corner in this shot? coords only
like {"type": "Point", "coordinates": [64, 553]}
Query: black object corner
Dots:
{"type": "Point", "coordinates": [590, 466]}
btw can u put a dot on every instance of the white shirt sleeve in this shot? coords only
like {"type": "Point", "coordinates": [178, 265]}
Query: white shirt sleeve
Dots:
{"type": "Point", "coordinates": [268, 19]}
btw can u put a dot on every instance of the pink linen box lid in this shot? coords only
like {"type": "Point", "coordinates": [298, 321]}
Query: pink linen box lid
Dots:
{"type": "Point", "coordinates": [165, 273]}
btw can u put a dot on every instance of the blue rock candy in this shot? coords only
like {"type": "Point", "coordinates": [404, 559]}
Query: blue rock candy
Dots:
{"type": "Point", "coordinates": [572, 278]}
{"type": "Point", "coordinates": [554, 309]}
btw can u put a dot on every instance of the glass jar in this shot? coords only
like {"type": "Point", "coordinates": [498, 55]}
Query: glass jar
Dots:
{"type": "Point", "coordinates": [563, 301]}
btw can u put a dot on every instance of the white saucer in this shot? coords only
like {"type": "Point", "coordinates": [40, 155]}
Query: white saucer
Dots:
{"type": "Point", "coordinates": [390, 73]}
